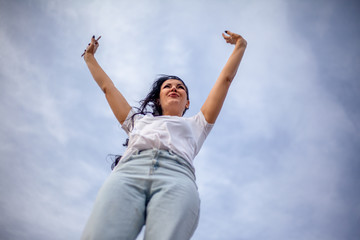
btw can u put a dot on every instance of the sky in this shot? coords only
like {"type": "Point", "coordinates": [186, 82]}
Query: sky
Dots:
{"type": "Point", "coordinates": [282, 161]}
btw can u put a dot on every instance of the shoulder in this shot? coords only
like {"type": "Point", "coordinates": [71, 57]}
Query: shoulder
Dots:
{"type": "Point", "coordinates": [199, 119]}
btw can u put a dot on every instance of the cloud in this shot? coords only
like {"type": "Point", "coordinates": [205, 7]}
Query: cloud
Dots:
{"type": "Point", "coordinates": [281, 161]}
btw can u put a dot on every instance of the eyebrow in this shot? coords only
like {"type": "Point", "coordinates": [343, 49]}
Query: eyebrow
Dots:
{"type": "Point", "coordinates": [179, 84]}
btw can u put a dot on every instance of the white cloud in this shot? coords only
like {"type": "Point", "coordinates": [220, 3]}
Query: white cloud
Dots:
{"type": "Point", "coordinates": [26, 87]}
{"type": "Point", "coordinates": [273, 164]}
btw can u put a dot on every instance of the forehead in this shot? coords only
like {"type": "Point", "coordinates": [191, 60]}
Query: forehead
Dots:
{"type": "Point", "coordinates": [172, 82]}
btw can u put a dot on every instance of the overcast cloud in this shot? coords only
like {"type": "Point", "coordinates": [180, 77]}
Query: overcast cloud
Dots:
{"type": "Point", "coordinates": [282, 161]}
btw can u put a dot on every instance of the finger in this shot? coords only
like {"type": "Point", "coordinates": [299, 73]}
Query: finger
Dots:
{"type": "Point", "coordinates": [229, 35]}
{"type": "Point", "coordinates": [93, 40]}
{"type": "Point", "coordinates": [96, 47]}
{"type": "Point", "coordinates": [88, 46]}
{"type": "Point", "coordinates": [227, 38]}
{"type": "Point", "coordinates": [96, 41]}
{"type": "Point", "coordinates": [228, 32]}
{"type": "Point", "coordinates": [232, 35]}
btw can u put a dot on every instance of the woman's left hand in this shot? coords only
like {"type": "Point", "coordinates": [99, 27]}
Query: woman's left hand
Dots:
{"type": "Point", "coordinates": [234, 38]}
{"type": "Point", "coordinates": [92, 47]}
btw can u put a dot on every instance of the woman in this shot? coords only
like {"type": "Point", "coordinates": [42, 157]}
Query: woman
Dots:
{"type": "Point", "coordinates": [153, 184]}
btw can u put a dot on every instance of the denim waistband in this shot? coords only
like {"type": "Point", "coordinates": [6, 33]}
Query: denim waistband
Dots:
{"type": "Point", "coordinates": [164, 153]}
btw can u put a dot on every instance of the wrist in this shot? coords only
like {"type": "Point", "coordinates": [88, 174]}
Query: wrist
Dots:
{"type": "Point", "coordinates": [88, 57]}
{"type": "Point", "coordinates": [241, 44]}
{"type": "Point", "coordinates": [240, 48]}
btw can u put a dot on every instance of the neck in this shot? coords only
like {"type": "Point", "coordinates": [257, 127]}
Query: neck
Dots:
{"type": "Point", "coordinates": [172, 112]}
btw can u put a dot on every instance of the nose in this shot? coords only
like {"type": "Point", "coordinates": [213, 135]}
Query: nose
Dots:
{"type": "Point", "coordinates": [173, 89]}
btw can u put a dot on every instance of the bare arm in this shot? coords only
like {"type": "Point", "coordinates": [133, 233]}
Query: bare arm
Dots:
{"type": "Point", "coordinates": [217, 95]}
{"type": "Point", "coordinates": [116, 100]}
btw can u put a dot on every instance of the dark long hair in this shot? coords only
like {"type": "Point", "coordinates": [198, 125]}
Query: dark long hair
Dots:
{"type": "Point", "coordinates": [152, 102]}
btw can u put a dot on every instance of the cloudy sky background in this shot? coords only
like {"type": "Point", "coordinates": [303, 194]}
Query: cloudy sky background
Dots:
{"type": "Point", "coordinates": [282, 161]}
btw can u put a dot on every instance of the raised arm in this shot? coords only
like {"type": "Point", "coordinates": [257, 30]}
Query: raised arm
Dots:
{"type": "Point", "coordinates": [117, 102]}
{"type": "Point", "coordinates": [216, 98]}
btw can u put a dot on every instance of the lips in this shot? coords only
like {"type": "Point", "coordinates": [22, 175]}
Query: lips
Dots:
{"type": "Point", "coordinates": [173, 95]}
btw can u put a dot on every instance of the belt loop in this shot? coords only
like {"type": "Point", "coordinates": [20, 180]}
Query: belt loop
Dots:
{"type": "Point", "coordinates": [156, 153]}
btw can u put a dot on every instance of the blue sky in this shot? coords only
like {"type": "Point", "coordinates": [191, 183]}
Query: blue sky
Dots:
{"type": "Point", "coordinates": [282, 161]}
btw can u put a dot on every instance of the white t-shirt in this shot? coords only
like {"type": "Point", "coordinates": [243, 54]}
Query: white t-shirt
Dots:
{"type": "Point", "coordinates": [182, 135]}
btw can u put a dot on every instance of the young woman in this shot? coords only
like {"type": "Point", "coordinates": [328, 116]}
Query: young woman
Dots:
{"type": "Point", "coordinates": [153, 184]}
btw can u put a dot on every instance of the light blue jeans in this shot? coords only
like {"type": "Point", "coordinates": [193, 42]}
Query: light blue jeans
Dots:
{"type": "Point", "coordinates": [152, 187]}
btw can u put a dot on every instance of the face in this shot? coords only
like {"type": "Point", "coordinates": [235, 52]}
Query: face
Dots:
{"type": "Point", "coordinates": [173, 97]}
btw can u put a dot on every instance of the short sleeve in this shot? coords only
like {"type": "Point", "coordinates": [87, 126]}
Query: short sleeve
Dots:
{"type": "Point", "coordinates": [127, 125]}
{"type": "Point", "coordinates": [201, 129]}
{"type": "Point", "coordinates": [200, 119]}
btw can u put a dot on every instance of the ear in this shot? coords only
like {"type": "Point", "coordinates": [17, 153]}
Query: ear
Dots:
{"type": "Point", "coordinates": [187, 104]}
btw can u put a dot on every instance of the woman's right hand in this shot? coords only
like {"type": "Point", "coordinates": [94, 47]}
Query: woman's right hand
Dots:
{"type": "Point", "coordinates": [92, 47]}
{"type": "Point", "coordinates": [235, 39]}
